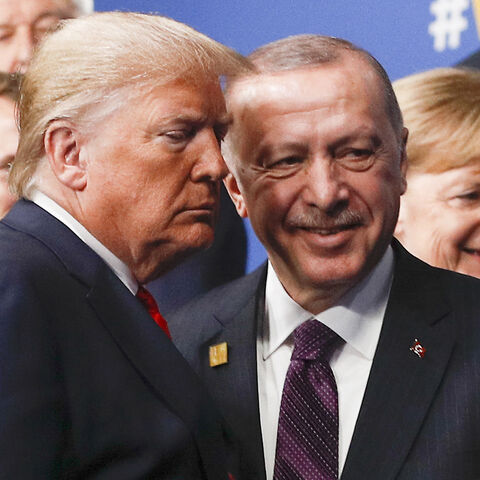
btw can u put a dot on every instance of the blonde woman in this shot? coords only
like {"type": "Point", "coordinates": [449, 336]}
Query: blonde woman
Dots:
{"type": "Point", "coordinates": [440, 212]}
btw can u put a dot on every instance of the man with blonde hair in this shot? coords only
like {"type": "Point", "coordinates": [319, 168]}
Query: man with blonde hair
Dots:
{"type": "Point", "coordinates": [23, 23]}
{"type": "Point", "coordinates": [348, 357]}
{"type": "Point", "coordinates": [121, 117]}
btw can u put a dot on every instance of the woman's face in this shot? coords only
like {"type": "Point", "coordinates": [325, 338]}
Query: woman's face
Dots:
{"type": "Point", "coordinates": [440, 218]}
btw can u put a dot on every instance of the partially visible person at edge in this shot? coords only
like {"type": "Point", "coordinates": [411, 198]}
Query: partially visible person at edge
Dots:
{"type": "Point", "coordinates": [23, 23]}
{"type": "Point", "coordinates": [118, 172]}
{"type": "Point", "coordinates": [9, 88]}
{"type": "Point", "coordinates": [347, 357]}
{"type": "Point", "coordinates": [439, 217]}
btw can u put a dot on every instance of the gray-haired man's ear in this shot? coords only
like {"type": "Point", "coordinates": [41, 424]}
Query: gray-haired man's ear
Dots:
{"type": "Point", "coordinates": [235, 194]}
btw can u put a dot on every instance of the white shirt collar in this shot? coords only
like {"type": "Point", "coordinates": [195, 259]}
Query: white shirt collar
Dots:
{"type": "Point", "coordinates": [357, 318]}
{"type": "Point", "coordinates": [119, 268]}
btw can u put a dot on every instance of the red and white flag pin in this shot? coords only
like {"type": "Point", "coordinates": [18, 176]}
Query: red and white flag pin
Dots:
{"type": "Point", "coordinates": [418, 349]}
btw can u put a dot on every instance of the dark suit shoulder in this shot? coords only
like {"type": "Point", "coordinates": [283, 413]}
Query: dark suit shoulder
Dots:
{"type": "Point", "coordinates": [22, 250]}
{"type": "Point", "coordinates": [207, 314]}
{"type": "Point", "coordinates": [462, 293]}
{"type": "Point", "coordinates": [459, 284]}
{"type": "Point", "coordinates": [454, 285]}
{"type": "Point", "coordinates": [226, 299]}
{"type": "Point", "coordinates": [472, 61]}
{"type": "Point", "coordinates": [29, 267]}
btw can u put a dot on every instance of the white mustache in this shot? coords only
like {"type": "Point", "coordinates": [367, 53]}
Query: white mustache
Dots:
{"type": "Point", "coordinates": [319, 220]}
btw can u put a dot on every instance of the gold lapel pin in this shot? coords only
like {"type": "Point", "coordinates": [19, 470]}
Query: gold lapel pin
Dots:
{"type": "Point", "coordinates": [418, 349]}
{"type": "Point", "coordinates": [218, 354]}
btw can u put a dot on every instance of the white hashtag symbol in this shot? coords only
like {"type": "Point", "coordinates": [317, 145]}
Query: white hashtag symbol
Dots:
{"type": "Point", "coordinates": [449, 23]}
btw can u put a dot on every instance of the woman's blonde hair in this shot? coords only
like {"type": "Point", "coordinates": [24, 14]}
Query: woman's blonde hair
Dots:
{"type": "Point", "coordinates": [441, 109]}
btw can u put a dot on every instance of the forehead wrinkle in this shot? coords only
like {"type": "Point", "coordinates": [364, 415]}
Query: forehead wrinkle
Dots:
{"type": "Point", "coordinates": [319, 120]}
{"type": "Point", "coordinates": [280, 83]}
{"type": "Point", "coordinates": [264, 103]}
{"type": "Point", "coordinates": [289, 98]}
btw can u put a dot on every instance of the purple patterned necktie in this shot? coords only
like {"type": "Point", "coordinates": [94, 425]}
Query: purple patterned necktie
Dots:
{"type": "Point", "coordinates": [307, 438]}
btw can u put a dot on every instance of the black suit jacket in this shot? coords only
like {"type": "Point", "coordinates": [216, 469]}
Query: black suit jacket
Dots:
{"type": "Point", "coordinates": [90, 387]}
{"type": "Point", "coordinates": [420, 417]}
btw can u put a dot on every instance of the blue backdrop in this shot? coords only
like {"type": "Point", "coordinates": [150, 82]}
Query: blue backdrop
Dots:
{"type": "Point", "coordinates": [406, 36]}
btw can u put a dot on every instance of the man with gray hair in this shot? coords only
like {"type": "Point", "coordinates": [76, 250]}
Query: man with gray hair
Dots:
{"type": "Point", "coordinates": [348, 357]}
{"type": "Point", "coordinates": [23, 23]}
{"type": "Point", "coordinates": [118, 170]}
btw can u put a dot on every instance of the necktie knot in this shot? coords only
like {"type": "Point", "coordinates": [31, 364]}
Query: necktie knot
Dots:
{"type": "Point", "coordinates": [313, 340]}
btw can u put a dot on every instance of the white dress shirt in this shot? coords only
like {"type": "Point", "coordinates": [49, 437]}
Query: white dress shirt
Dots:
{"type": "Point", "coordinates": [119, 268]}
{"type": "Point", "coordinates": [357, 319]}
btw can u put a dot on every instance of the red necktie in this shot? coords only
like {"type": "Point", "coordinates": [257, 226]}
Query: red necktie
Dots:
{"type": "Point", "coordinates": [151, 305]}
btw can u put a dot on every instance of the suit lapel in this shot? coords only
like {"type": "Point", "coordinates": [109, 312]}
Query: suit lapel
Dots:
{"type": "Point", "coordinates": [160, 364]}
{"type": "Point", "coordinates": [234, 384]}
{"type": "Point", "coordinates": [401, 386]}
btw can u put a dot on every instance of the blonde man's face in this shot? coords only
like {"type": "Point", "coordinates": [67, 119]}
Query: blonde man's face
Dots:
{"type": "Point", "coordinates": [154, 170]}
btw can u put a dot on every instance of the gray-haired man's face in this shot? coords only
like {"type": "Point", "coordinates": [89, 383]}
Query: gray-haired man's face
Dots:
{"type": "Point", "coordinates": [319, 172]}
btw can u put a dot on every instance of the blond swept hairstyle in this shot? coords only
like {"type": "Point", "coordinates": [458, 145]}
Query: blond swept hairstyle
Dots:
{"type": "Point", "coordinates": [441, 109]}
{"type": "Point", "coordinates": [91, 64]}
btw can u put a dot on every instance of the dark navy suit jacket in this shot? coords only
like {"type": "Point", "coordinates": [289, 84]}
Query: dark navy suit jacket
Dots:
{"type": "Point", "coordinates": [90, 387]}
{"type": "Point", "coordinates": [420, 417]}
